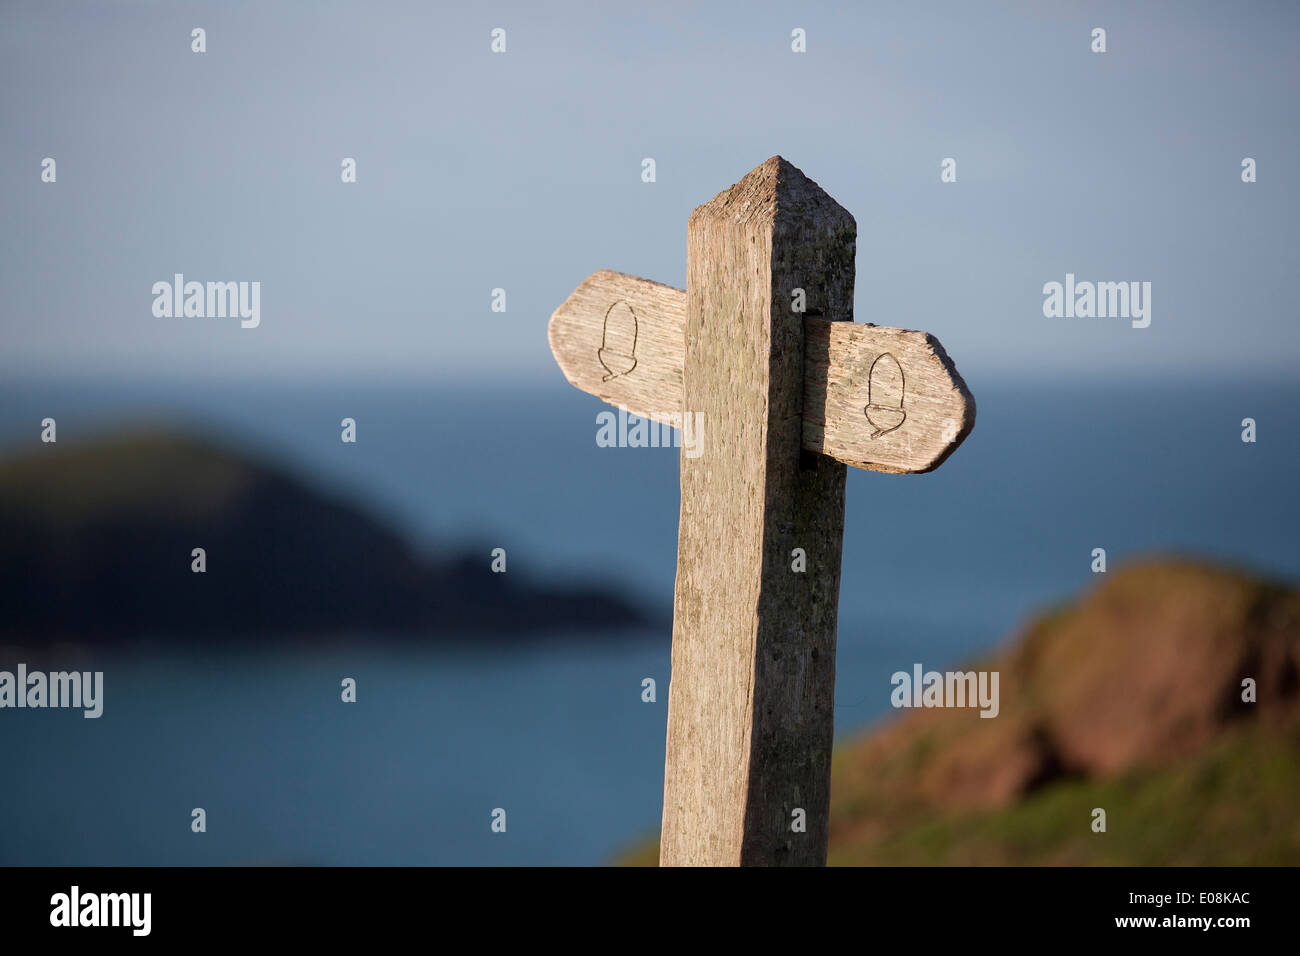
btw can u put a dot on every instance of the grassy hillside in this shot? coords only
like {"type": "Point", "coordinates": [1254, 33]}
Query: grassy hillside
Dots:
{"type": "Point", "coordinates": [1130, 700]}
{"type": "Point", "coordinates": [1235, 804]}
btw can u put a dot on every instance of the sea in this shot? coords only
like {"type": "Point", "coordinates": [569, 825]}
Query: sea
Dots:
{"type": "Point", "coordinates": [553, 736]}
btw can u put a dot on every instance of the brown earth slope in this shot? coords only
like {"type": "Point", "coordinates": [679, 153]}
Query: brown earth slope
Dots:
{"type": "Point", "coordinates": [1129, 700]}
{"type": "Point", "coordinates": [1139, 681]}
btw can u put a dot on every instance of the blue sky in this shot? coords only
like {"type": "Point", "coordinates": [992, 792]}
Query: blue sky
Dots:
{"type": "Point", "coordinates": [522, 171]}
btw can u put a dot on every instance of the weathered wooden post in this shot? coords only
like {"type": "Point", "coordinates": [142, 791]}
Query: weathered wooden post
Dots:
{"type": "Point", "coordinates": [761, 345]}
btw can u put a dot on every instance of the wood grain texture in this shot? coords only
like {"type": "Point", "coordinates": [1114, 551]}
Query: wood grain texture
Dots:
{"type": "Point", "coordinates": [938, 409]}
{"type": "Point", "coordinates": [882, 399]}
{"type": "Point", "coordinates": [750, 720]}
{"type": "Point", "coordinates": [579, 331]}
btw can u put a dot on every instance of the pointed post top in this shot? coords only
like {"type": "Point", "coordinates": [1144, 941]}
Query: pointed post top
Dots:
{"type": "Point", "coordinates": [777, 192]}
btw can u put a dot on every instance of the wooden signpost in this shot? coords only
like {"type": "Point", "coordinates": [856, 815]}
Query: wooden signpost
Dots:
{"type": "Point", "coordinates": [761, 345]}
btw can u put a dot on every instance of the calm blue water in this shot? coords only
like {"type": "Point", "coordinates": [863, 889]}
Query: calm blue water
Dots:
{"type": "Point", "coordinates": [936, 568]}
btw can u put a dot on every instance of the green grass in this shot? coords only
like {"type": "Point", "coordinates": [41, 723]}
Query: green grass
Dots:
{"type": "Point", "coordinates": [1234, 804]}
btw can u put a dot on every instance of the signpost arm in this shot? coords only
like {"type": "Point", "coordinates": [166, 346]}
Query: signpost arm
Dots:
{"type": "Point", "coordinates": [839, 360]}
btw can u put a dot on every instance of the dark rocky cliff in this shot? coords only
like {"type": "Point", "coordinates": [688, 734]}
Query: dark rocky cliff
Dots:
{"type": "Point", "coordinates": [96, 542]}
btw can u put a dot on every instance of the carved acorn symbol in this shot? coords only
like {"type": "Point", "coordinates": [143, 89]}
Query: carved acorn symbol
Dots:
{"type": "Point", "coordinates": [617, 352]}
{"type": "Point", "coordinates": [885, 395]}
